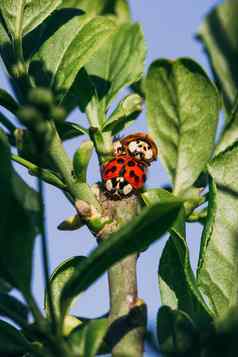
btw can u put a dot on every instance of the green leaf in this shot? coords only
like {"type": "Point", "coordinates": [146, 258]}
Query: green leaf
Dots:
{"type": "Point", "coordinates": [218, 34]}
{"type": "Point", "coordinates": [8, 102]}
{"type": "Point", "coordinates": [59, 278]}
{"type": "Point", "coordinates": [11, 340]}
{"type": "Point", "coordinates": [94, 7]}
{"type": "Point", "coordinates": [150, 225]}
{"type": "Point", "coordinates": [176, 117]}
{"type": "Point", "coordinates": [176, 332]}
{"type": "Point", "coordinates": [119, 63]}
{"type": "Point", "coordinates": [230, 132]}
{"type": "Point", "coordinates": [124, 114]}
{"type": "Point", "coordinates": [217, 270]}
{"type": "Point", "coordinates": [86, 340]}
{"type": "Point", "coordinates": [118, 8]}
{"type": "Point", "coordinates": [57, 63]}
{"type": "Point", "coordinates": [23, 16]}
{"type": "Point", "coordinates": [5, 46]}
{"type": "Point", "coordinates": [68, 130]}
{"type": "Point", "coordinates": [18, 223]}
{"type": "Point", "coordinates": [14, 309]}
{"type": "Point", "coordinates": [178, 286]}
{"type": "Point", "coordinates": [4, 286]}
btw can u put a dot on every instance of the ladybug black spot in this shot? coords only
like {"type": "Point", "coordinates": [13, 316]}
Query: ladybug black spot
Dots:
{"type": "Point", "coordinates": [137, 179]}
{"type": "Point", "coordinates": [113, 169]}
{"type": "Point", "coordinates": [120, 161]}
{"type": "Point", "coordinates": [131, 163]}
{"type": "Point", "coordinates": [132, 173]}
{"type": "Point", "coordinates": [107, 171]}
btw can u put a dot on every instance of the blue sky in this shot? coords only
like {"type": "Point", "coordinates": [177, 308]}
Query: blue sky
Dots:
{"type": "Point", "coordinates": [169, 28]}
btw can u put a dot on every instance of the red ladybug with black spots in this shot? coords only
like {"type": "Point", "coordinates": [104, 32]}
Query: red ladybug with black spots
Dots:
{"type": "Point", "coordinates": [126, 173]}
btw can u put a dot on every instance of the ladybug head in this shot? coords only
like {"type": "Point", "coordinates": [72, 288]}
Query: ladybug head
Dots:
{"type": "Point", "coordinates": [141, 146]}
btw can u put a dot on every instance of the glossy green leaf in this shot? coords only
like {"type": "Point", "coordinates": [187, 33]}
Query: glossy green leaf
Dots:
{"type": "Point", "coordinates": [176, 117]}
{"type": "Point", "coordinates": [17, 225]}
{"type": "Point", "coordinates": [86, 340]}
{"type": "Point", "coordinates": [119, 63]}
{"type": "Point", "coordinates": [218, 34]}
{"type": "Point", "coordinates": [12, 342]}
{"type": "Point", "coordinates": [14, 309]}
{"type": "Point", "coordinates": [23, 16]}
{"type": "Point", "coordinates": [230, 132]}
{"type": "Point", "coordinates": [150, 225]}
{"type": "Point", "coordinates": [176, 332]}
{"type": "Point", "coordinates": [178, 286]}
{"type": "Point", "coordinates": [59, 278]}
{"type": "Point", "coordinates": [58, 62]}
{"type": "Point", "coordinates": [217, 270]}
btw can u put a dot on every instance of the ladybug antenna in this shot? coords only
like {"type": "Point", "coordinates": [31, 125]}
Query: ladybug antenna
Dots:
{"type": "Point", "coordinates": [116, 138]}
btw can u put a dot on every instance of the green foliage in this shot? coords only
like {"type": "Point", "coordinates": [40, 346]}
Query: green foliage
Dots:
{"type": "Point", "coordinates": [119, 63]}
{"type": "Point", "coordinates": [21, 19]}
{"type": "Point", "coordinates": [175, 117]}
{"type": "Point", "coordinates": [218, 34]}
{"type": "Point", "coordinates": [61, 61]}
{"type": "Point", "coordinates": [176, 332]}
{"type": "Point", "coordinates": [218, 255]}
{"type": "Point", "coordinates": [121, 244]}
{"type": "Point", "coordinates": [18, 227]}
{"type": "Point", "coordinates": [14, 309]}
{"type": "Point", "coordinates": [87, 339]}
{"type": "Point", "coordinates": [178, 287]}
{"type": "Point", "coordinates": [61, 55]}
{"type": "Point", "coordinates": [230, 132]}
{"type": "Point", "coordinates": [124, 114]}
{"type": "Point", "coordinates": [59, 278]}
{"type": "Point", "coordinates": [12, 341]}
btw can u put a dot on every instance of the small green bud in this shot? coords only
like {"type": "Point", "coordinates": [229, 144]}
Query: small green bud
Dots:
{"type": "Point", "coordinates": [28, 115]}
{"type": "Point", "coordinates": [25, 144]}
{"type": "Point", "coordinates": [58, 114]}
{"type": "Point", "coordinates": [42, 98]}
{"type": "Point", "coordinates": [81, 160]}
{"type": "Point", "coordinates": [18, 70]}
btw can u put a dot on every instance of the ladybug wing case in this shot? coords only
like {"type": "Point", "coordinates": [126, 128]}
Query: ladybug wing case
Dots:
{"type": "Point", "coordinates": [135, 174]}
{"type": "Point", "coordinates": [113, 168]}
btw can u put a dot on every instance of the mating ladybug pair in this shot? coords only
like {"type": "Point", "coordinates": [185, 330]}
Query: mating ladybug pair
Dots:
{"type": "Point", "coordinates": [126, 173]}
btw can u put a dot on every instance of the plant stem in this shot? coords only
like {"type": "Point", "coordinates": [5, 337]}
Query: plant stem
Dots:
{"type": "Point", "coordinates": [64, 166]}
{"type": "Point", "coordinates": [123, 298]}
{"type": "Point", "coordinates": [46, 175]}
{"type": "Point", "coordinates": [127, 312]}
{"type": "Point", "coordinates": [45, 256]}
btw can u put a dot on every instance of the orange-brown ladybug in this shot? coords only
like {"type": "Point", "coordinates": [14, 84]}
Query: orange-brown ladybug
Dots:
{"type": "Point", "coordinates": [126, 173]}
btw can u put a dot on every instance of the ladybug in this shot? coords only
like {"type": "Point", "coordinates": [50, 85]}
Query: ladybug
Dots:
{"type": "Point", "coordinates": [126, 173]}
{"type": "Point", "coordinates": [141, 146]}
{"type": "Point", "coordinates": [123, 175]}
